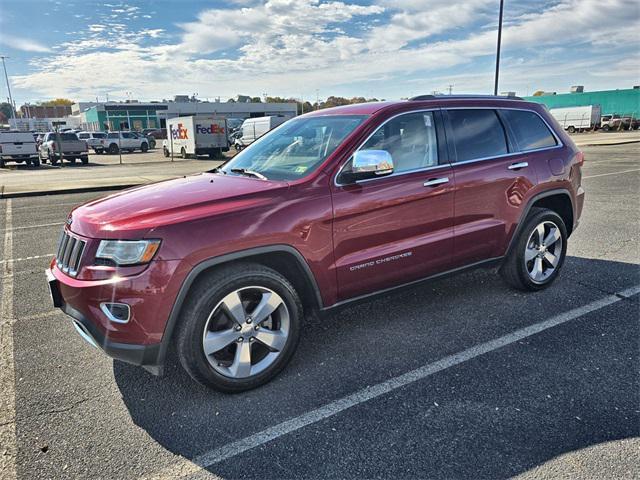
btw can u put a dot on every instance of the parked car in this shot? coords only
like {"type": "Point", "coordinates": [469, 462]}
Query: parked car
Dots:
{"type": "Point", "coordinates": [157, 133]}
{"type": "Point", "coordinates": [127, 141]}
{"type": "Point", "coordinates": [94, 140]}
{"type": "Point", "coordinates": [19, 147]}
{"type": "Point", "coordinates": [254, 128]}
{"type": "Point", "coordinates": [64, 145]}
{"type": "Point", "coordinates": [610, 122]}
{"type": "Point", "coordinates": [329, 208]}
{"type": "Point", "coordinates": [149, 138]}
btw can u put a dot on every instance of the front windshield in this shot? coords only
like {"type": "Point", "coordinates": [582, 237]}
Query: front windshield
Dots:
{"type": "Point", "coordinates": [294, 149]}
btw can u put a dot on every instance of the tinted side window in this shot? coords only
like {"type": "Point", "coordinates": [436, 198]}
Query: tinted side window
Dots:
{"type": "Point", "coordinates": [410, 139]}
{"type": "Point", "coordinates": [477, 134]}
{"type": "Point", "coordinates": [112, 135]}
{"type": "Point", "coordinates": [83, 136]}
{"type": "Point", "coordinates": [529, 129]}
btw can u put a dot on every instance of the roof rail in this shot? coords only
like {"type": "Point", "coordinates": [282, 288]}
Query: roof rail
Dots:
{"type": "Point", "coordinates": [468, 96]}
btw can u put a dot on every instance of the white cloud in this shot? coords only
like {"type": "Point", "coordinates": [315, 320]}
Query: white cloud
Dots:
{"type": "Point", "coordinates": [24, 44]}
{"type": "Point", "coordinates": [288, 47]}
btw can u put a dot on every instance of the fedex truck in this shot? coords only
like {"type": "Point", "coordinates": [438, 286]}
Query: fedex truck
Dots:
{"type": "Point", "coordinates": [578, 119]}
{"type": "Point", "coordinates": [196, 135]}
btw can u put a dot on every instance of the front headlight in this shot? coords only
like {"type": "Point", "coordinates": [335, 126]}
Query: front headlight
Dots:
{"type": "Point", "coordinates": [128, 252]}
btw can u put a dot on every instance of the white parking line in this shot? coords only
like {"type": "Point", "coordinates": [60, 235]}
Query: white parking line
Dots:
{"type": "Point", "coordinates": [42, 225]}
{"type": "Point", "coordinates": [184, 467]}
{"type": "Point", "coordinates": [46, 255]}
{"type": "Point", "coordinates": [612, 173]}
{"type": "Point", "coordinates": [7, 366]}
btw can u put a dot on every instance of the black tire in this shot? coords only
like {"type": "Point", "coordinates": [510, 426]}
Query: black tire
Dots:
{"type": "Point", "coordinates": [606, 128]}
{"type": "Point", "coordinates": [165, 151]}
{"type": "Point", "coordinates": [35, 161]}
{"type": "Point", "coordinates": [84, 159]}
{"type": "Point", "coordinates": [203, 298]}
{"type": "Point", "coordinates": [113, 149]}
{"type": "Point", "coordinates": [1, 162]}
{"type": "Point", "coordinates": [571, 129]}
{"type": "Point", "coordinates": [53, 158]}
{"type": "Point", "coordinates": [144, 147]}
{"type": "Point", "coordinates": [183, 152]}
{"type": "Point", "coordinates": [514, 269]}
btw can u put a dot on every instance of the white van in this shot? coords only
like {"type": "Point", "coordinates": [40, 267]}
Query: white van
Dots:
{"type": "Point", "coordinates": [18, 147]}
{"type": "Point", "coordinates": [254, 128]}
{"type": "Point", "coordinates": [577, 119]}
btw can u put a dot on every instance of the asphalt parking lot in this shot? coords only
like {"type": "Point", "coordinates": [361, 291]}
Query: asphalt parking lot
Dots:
{"type": "Point", "coordinates": [460, 378]}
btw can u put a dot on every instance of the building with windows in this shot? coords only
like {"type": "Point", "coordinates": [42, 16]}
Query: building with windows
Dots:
{"type": "Point", "coordinates": [122, 116]}
{"type": "Point", "coordinates": [625, 102]}
{"type": "Point", "coordinates": [138, 116]}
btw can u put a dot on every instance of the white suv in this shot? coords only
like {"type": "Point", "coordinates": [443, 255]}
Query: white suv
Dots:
{"type": "Point", "coordinates": [94, 140]}
{"type": "Point", "coordinates": [125, 141]}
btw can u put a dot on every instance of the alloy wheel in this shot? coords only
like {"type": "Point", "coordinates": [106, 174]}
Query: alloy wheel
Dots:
{"type": "Point", "coordinates": [543, 251]}
{"type": "Point", "coordinates": [246, 332]}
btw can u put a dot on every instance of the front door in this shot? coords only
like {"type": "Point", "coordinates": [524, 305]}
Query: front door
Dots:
{"type": "Point", "coordinates": [395, 229]}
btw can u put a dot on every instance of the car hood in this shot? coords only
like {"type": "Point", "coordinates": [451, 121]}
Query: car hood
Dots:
{"type": "Point", "coordinates": [134, 212]}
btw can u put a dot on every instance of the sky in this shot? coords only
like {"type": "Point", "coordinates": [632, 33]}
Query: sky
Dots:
{"type": "Point", "coordinates": [150, 50]}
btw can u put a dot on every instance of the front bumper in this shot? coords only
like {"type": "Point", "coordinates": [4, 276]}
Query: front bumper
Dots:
{"type": "Point", "coordinates": [138, 342]}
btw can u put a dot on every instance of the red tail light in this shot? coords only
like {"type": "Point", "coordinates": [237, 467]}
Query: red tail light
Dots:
{"type": "Point", "coordinates": [580, 159]}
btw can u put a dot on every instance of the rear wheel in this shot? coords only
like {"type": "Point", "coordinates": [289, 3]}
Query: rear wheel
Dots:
{"type": "Point", "coordinates": [113, 149]}
{"type": "Point", "coordinates": [571, 129]}
{"type": "Point", "coordinates": [165, 151]}
{"type": "Point", "coordinates": [538, 254]}
{"type": "Point", "coordinates": [144, 147]}
{"type": "Point", "coordinates": [84, 159]}
{"type": "Point", "coordinates": [183, 152]}
{"type": "Point", "coordinates": [36, 161]}
{"type": "Point", "coordinates": [239, 327]}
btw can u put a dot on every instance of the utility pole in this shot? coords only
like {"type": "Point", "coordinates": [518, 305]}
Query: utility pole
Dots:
{"type": "Point", "coordinates": [317, 99]}
{"type": "Point", "coordinates": [450, 88]}
{"type": "Point", "coordinates": [495, 86]}
{"type": "Point", "coordinates": [6, 77]}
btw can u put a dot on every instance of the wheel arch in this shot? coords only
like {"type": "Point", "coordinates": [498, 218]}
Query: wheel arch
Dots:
{"type": "Point", "coordinates": [285, 259]}
{"type": "Point", "coordinates": [559, 200]}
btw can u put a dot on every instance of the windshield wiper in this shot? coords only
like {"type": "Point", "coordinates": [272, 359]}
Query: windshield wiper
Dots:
{"type": "Point", "coordinates": [249, 173]}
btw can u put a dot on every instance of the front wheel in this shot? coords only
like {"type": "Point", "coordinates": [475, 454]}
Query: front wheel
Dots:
{"type": "Point", "coordinates": [113, 149]}
{"type": "Point", "coordinates": [144, 148]}
{"type": "Point", "coordinates": [239, 327]}
{"type": "Point", "coordinates": [538, 254]}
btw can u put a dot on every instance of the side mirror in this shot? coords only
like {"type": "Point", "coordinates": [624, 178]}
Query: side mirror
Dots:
{"type": "Point", "coordinates": [369, 164]}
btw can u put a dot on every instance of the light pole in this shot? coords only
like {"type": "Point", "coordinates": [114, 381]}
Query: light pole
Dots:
{"type": "Point", "coordinates": [495, 86]}
{"type": "Point", "coordinates": [6, 77]}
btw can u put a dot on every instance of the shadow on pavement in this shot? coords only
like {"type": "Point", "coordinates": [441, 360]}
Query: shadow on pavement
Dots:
{"type": "Point", "coordinates": [585, 377]}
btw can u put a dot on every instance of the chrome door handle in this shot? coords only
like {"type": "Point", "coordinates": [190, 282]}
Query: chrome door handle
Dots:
{"type": "Point", "coordinates": [518, 166]}
{"type": "Point", "coordinates": [436, 181]}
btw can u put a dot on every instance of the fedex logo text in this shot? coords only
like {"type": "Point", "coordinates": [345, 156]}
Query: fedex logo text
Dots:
{"type": "Point", "coordinates": [179, 133]}
{"type": "Point", "coordinates": [211, 129]}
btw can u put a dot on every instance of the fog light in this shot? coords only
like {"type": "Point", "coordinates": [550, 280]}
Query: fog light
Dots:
{"type": "Point", "coordinates": [116, 312]}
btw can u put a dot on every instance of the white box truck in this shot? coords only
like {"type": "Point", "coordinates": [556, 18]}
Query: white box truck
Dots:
{"type": "Point", "coordinates": [254, 128]}
{"type": "Point", "coordinates": [577, 119]}
{"type": "Point", "coordinates": [196, 135]}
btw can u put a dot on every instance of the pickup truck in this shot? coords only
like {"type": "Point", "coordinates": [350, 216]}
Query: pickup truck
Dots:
{"type": "Point", "coordinates": [18, 147]}
{"type": "Point", "coordinates": [66, 146]}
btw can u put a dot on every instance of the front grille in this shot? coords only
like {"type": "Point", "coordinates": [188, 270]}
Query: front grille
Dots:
{"type": "Point", "coordinates": [69, 253]}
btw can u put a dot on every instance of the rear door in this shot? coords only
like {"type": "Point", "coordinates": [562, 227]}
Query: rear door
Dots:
{"type": "Point", "coordinates": [492, 181]}
{"type": "Point", "coordinates": [395, 229]}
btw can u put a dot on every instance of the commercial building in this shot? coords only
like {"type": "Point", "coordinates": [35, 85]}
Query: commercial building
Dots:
{"type": "Point", "coordinates": [43, 124]}
{"type": "Point", "coordinates": [135, 115]}
{"type": "Point", "coordinates": [625, 102]}
{"type": "Point", "coordinates": [40, 111]}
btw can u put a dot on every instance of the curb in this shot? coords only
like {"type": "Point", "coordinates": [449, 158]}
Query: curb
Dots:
{"type": "Point", "coordinates": [621, 142]}
{"type": "Point", "coordinates": [36, 193]}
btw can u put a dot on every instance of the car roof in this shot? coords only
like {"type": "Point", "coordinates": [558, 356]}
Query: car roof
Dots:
{"type": "Point", "coordinates": [425, 101]}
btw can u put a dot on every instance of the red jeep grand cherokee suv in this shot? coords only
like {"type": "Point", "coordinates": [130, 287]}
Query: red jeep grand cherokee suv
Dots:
{"type": "Point", "coordinates": [330, 207]}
